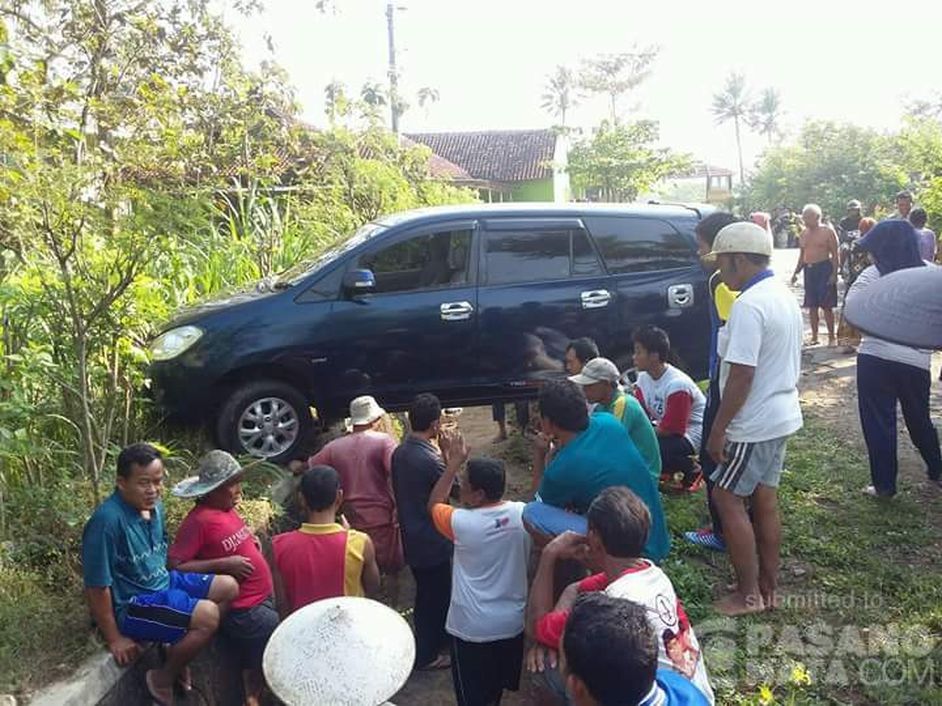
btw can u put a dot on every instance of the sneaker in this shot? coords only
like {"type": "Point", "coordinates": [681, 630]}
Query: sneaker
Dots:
{"type": "Point", "coordinates": [706, 538]}
{"type": "Point", "coordinates": [872, 492]}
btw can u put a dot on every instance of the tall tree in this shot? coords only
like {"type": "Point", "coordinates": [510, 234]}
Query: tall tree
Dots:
{"type": "Point", "coordinates": [766, 114]}
{"type": "Point", "coordinates": [732, 103]}
{"type": "Point", "coordinates": [335, 100]}
{"type": "Point", "coordinates": [622, 161]}
{"type": "Point", "coordinates": [559, 96]}
{"type": "Point", "coordinates": [615, 75]}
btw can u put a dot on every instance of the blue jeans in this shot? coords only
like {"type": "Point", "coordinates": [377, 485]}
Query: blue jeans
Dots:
{"type": "Point", "coordinates": [552, 520]}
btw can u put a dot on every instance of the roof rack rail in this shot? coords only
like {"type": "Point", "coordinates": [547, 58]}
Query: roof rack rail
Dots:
{"type": "Point", "coordinates": [654, 202]}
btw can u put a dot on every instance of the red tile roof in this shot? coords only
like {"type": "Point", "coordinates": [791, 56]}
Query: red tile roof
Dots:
{"type": "Point", "coordinates": [495, 155]}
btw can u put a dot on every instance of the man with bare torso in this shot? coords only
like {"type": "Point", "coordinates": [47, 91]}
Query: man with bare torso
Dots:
{"type": "Point", "coordinates": [819, 260]}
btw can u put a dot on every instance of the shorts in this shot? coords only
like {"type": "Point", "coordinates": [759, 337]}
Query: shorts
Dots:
{"type": "Point", "coordinates": [482, 670]}
{"type": "Point", "coordinates": [819, 292]}
{"type": "Point", "coordinates": [750, 464]}
{"type": "Point", "coordinates": [552, 681]}
{"type": "Point", "coordinates": [164, 616]}
{"type": "Point", "coordinates": [248, 630]}
{"type": "Point", "coordinates": [552, 520]}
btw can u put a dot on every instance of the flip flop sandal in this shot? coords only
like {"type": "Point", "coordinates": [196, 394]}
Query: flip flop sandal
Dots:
{"type": "Point", "coordinates": [150, 690]}
{"type": "Point", "coordinates": [439, 663]}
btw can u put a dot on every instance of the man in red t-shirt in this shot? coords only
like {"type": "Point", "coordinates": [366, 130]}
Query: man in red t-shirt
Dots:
{"type": "Point", "coordinates": [213, 538]}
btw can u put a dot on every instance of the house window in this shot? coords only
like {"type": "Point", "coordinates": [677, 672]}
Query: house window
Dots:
{"type": "Point", "coordinates": [641, 244]}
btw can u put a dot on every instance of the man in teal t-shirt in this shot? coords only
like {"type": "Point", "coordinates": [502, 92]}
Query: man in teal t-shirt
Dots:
{"type": "Point", "coordinates": [593, 453]}
{"type": "Point", "coordinates": [599, 381]}
{"type": "Point", "coordinates": [132, 596]}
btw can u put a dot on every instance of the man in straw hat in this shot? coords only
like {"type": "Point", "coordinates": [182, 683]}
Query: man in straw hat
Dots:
{"type": "Point", "coordinates": [214, 538]}
{"type": "Point", "coordinates": [363, 460]}
{"type": "Point", "coordinates": [132, 596]}
{"type": "Point", "coordinates": [760, 350]}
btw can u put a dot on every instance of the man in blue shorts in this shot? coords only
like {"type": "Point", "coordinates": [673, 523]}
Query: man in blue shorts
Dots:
{"type": "Point", "coordinates": [132, 596]}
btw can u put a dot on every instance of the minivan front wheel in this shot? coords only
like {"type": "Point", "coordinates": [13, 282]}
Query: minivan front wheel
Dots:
{"type": "Point", "coordinates": [268, 419]}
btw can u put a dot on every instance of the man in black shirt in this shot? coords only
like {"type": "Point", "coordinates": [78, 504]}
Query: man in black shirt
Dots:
{"type": "Point", "coordinates": [416, 467]}
{"type": "Point", "coordinates": [852, 220]}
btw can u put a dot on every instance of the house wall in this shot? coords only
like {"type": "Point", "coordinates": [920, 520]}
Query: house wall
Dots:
{"type": "Point", "coordinates": [536, 190]}
{"type": "Point", "coordinates": [562, 191]}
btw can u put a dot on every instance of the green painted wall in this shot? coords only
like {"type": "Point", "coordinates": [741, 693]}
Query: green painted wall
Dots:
{"type": "Point", "coordinates": [538, 190]}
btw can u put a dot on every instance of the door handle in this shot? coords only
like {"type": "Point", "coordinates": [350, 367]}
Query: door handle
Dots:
{"type": "Point", "coordinates": [595, 299]}
{"type": "Point", "coordinates": [456, 311]}
{"type": "Point", "coordinates": [680, 296]}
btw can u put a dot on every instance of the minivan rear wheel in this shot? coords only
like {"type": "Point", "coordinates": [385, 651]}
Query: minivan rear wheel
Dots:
{"type": "Point", "coordinates": [268, 419]}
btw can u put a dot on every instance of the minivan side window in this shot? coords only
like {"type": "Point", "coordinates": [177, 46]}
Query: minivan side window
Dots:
{"type": "Point", "coordinates": [637, 244]}
{"type": "Point", "coordinates": [427, 261]}
{"type": "Point", "coordinates": [529, 256]}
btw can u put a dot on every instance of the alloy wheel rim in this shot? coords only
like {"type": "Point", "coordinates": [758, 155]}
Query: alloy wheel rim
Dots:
{"type": "Point", "coordinates": [268, 427]}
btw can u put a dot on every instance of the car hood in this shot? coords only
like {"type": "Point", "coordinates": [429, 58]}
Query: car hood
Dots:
{"type": "Point", "coordinates": [223, 302]}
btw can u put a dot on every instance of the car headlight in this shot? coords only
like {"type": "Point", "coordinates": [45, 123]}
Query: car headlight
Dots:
{"type": "Point", "coordinates": [172, 343]}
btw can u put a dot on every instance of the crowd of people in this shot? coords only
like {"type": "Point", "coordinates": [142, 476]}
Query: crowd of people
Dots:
{"type": "Point", "coordinates": [600, 622]}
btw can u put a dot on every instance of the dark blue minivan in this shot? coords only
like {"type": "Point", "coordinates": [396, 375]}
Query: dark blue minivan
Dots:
{"type": "Point", "coordinates": [475, 303]}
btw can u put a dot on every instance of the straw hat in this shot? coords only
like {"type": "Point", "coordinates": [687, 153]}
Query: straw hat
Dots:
{"type": "Point", "coordinates": [216, 468]}
{"type": "Point", "coordinates": [339, 652]}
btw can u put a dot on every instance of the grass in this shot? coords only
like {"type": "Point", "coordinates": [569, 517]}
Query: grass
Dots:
{"type": "Point", "coordinates": [862, 583]}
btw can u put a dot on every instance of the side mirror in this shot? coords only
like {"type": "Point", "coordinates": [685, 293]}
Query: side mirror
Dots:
{"type": "Point", "coordinates": [359, 282]}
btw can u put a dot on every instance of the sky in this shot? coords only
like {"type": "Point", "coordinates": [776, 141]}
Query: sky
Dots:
{"type": "Point", "coordinates": [489, 59]}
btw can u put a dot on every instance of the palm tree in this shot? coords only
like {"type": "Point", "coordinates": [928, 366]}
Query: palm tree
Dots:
{"type": "Point", "coordinates": [766, 114]}
{"type": "Point", "coordinates": [427, 94]}
{"type": "Point", "coordinates": [559, 96]}
{"type": "Point", "coordinates": [373, 94]}
{"type": "Point", "coordinates": [335, 98]}
{"type": "Point", "coordinates": [732, 103]}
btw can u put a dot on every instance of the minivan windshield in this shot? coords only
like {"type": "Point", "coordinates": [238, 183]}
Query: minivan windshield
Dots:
{"type": "Point", "coordinates": [297, 272]}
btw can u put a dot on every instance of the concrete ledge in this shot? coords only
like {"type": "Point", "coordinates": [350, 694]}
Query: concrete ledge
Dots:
{"type": "Point", "coordinates": [100, 681]}
{"type": "Point", "coordinates": [93, 681]}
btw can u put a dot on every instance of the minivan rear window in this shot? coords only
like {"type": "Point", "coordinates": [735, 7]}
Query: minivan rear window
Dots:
{"type": "Point", "coordinates": [636, 244]}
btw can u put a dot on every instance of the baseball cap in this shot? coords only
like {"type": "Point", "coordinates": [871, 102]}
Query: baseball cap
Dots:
{"type": "Point", "coordinates": [597, 370]}
{"type": "Point", "coordinates": [743, 238]}
{"type": "Point", "coordinates": [902, 307]}
{"type": "Point", "coordinates": [853, 203]}
{"type": "Point", "coordinates": [905, 194]}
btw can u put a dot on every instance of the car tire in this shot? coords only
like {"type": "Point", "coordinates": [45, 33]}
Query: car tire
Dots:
{"type": "Point", "coordinates": [269, 419]}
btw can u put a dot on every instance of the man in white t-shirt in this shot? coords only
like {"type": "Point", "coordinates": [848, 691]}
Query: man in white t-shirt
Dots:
{"type": "Point", "coordinates": [760, 347]}
{"type": "Point", "coordinates": [489, 577]}
{"type": "Point", "coordinates": [673, 402]}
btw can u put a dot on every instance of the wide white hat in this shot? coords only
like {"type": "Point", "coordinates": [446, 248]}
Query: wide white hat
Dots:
{"type": "Point", "coordinates": [339, 652]}
{"type": "Point", "coordinates": [742, 237]}
{"type": "Point", "coordinates": [365, 410]}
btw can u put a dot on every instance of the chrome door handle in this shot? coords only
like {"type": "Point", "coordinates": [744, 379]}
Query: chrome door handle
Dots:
{"type": "Point", "coordinates": [595, 299]}
{"type": "Point", "coordinates": [680, 296]}
{"type": "Point", "coordinates": [456, 311]}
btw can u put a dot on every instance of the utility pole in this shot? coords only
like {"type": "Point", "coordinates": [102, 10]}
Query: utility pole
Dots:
{"type": "Point", "coordinates": [393, 74]}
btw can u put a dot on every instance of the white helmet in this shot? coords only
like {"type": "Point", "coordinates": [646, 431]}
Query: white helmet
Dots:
{"type": "Point", "coordinates": [743, 237]}
{"type": "Point", "coordinates": [339, 651]}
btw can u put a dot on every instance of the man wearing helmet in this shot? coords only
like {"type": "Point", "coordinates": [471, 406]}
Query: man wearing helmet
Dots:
{"type": "Point", "coordinates": [760, 349]}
